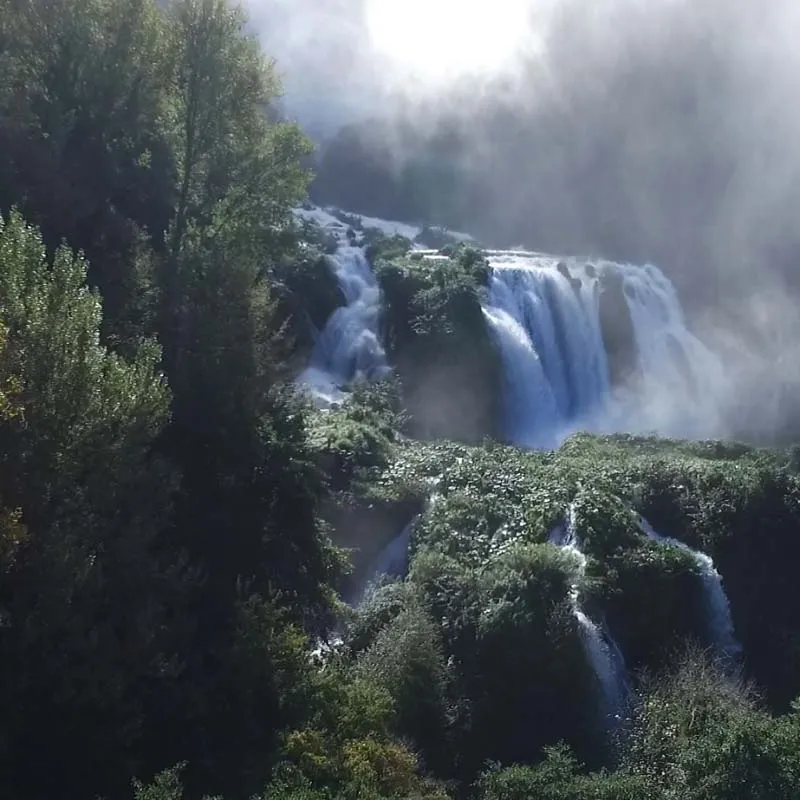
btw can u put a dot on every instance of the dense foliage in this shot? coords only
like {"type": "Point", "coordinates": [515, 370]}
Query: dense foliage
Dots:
{"type": "Point", "coordinates": [178, 527]}
{"type": "Point", "coordinates": [440, 345]}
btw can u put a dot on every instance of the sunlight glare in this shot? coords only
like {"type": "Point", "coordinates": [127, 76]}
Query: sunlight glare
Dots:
{"type": "Point", "coordinates": [436, 40]}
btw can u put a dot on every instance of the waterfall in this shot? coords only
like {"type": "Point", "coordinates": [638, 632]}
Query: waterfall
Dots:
{"type": "Point", "coordinates": [545, 316]}
{"type": "Point", "coordinates": [349, 349]}
{"type": "Point", "coordinates": [393, 559]}
{"type": "Point", "coordinates": [602, 651]}
{"type": "Point", "coordinates": [718, 612]}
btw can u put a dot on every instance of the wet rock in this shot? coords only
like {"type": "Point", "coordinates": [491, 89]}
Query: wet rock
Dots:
{"type": "Point", "coordinates": [618, 332]}
{"type": "Point", "coordinates": [575, 283]}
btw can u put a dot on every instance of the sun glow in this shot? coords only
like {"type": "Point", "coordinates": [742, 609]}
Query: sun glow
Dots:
{"type": "Point", "coordinates": [437, 40]}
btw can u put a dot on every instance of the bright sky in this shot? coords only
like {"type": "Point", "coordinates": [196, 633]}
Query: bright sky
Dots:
{"type": "Point", "coordinates": [440, 39]}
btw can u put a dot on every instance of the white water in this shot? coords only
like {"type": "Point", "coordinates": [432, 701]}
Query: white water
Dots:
{"type": "Point", "coordinates": [393, 559]}
{"type": "Point", "coordinates": [349, 349]}
{"type": "Point", "coordinates": [557, 372]}
{"type": "Point", "coordinates": [718, 612]}
{"type": "Point", "coordinates": [548, 332]}
{"type": "Point", "coordinates": [602, 651]}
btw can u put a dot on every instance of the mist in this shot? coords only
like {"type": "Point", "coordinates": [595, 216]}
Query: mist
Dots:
{"type": "Point", "coordinates": [661, 131]}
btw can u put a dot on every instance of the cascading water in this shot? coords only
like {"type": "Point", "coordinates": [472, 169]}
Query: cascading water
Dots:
{"type": "Point", "coordinates": [545, 316]}
{"type": "Point", "coordinates": [719, 619]}
{"type": "Point", "coordinates": [393, 559]}
{"type": "Point", "coordinates": [348, 350]}
{"type": "Point", "coordinates": [602, 651]}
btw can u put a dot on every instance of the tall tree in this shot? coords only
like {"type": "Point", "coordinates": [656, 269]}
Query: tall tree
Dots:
{"type": "Point", "coordinates": [82, 114]}
{"type": "Point", "coordinates": [83, 597]}
{"type": "Point", "coordinates": [246, 512]}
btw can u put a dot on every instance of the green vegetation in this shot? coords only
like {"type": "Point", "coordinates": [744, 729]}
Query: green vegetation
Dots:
{"type": "Point", "coordinates": [178, 527]}
{"type": "Point", "coordinates": [439, 344]}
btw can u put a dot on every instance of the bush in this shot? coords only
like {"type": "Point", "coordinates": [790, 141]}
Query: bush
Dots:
{"type": "Point", "coordinates": [699, 734]}
{"type": "Point", "coordinates": [407, 659]}
{"type": "Point", "coordinates": [519, 667]}
{"type": "Point", "coordinates": [654, 600]}
{"type": "Point", "coordinates": [381, 247]}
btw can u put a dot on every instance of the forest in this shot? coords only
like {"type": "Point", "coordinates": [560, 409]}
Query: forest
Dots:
{"type": "Point", "coordinates": [183, 534]}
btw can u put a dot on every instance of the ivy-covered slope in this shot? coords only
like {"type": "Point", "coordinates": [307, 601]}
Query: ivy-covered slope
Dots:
{"type": "Point", "coordinates": [478, 505]}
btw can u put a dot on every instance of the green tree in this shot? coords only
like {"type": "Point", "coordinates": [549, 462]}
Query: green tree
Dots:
{"type": "Point", "coordinates": [82, 114]}
{"type": "Point", "coordinates": [237, 436]}
{"type": "Point", "coordinates": [83, 597]}
{"type": "Point", "coordinates": [407, 660]}
{"type": "Point", "coordinates": [238, 174]}
{"type": "Point", "coordinates": [700, 734]}
{"type": "Point", "coordinates": [246, 512]}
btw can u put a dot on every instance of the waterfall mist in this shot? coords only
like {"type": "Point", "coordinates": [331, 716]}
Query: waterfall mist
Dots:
{"type": "Point", "coordinates": [658, 131]}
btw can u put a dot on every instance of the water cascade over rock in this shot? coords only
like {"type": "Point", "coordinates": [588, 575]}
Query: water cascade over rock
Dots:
{"type": "Point", "coordinates": [602, 651]}
{"type": "Point", "coordinates": [348, 349]}
{"type": "Point", "coordinates": [719, 619]}
{"type": "Point", "coordinates": [597, 346]}
{"type": "Point", "coordinates": [393, 559]}
{"type": "Point", "coordinates": [593, 346]}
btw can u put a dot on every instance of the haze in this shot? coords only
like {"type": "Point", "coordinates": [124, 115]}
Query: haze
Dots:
{"type": "Point", "coordinates": [639, 130]}
{"type": "Point", "coordinates": [441, 40]}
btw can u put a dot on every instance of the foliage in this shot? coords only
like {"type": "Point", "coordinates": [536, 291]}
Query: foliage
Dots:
{"type": "Point", "coordinates": [440, 345]}
{"type": "Point", "coordinates": [654, 600]}
{"type": "Point", "coordinates": [359, 436]}
{"type": "Point", "coordinates": [149, 521]}
{"type": "Point", "coordinates": [166, 499]}
{"type": "Point", "coordinates": [352, 445]}
{"type": "Point", "coordinates": [84, 598]}
{"type": "Point", "coordinates": [347, 746]}
{"type": "Point", "coordinates": [164, 786]}
{"type": "Point", "coordinates": [381, 247]}
{"type": "Point", "coordinates": [514, 652]}
{"type": "Point", "coordinates": [559, 777]}
{"type": "Point", "coordinates": [698, 734]}
{"type": "Point", "coordinates": [83, 106]}
{"type": "Point", "coordinates": [407, 659]}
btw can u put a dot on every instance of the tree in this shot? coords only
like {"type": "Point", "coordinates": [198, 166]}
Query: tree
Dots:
{"type": "Point", "coordinates": [238, 173]}
{"type": "Point", "coordinates": [239, 440]}
{"type": "Point", "coordinates": [700, 734]}
{"type": "Point", "coordinates": [83, 594]}
{"type": "Point", "coordinates": [246, 511]}
{"type": "Point", "coordinates": [82, 114]}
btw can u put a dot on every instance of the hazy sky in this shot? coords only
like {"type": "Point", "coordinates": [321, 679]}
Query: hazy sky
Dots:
{"type": "Point", "coordinates": [341, 59]}
{"type": "Point", "coordinates": [643, 130]}
{"type": "Point", "coordinates": [662, 129]}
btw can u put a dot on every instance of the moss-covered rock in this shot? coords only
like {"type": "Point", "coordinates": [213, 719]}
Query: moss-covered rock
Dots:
{"type": "Point", "coordinates": [738, 504]}
{"type": "Point", "coordinates": [653, 601]}
{"type": "Point", "coordinates": [439, 344]}
{"type": "Point", "coordinates": [307, 293]}
{"type": "Point", "coordinates": [380, 247]}
{"type": "Point", "coordinates": [519, 668]}
{"type": "Point", "coordinates": [353, 446]}
{"type": "Point", "coordinates": [435, 238]}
